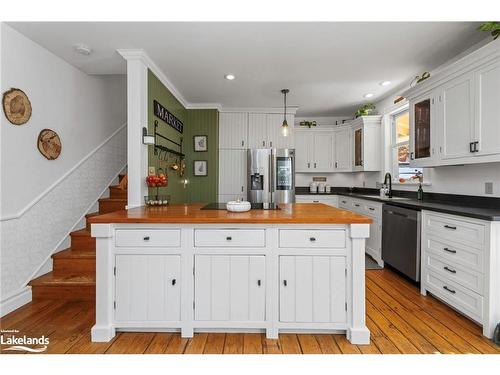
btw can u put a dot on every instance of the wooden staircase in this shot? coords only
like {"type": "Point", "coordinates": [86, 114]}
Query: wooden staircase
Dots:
{"type": "Point", "coordinates": [73, 274]}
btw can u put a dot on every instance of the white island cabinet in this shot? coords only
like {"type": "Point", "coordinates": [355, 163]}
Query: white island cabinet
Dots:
{"type": "Point", "coordinates": [238, 277]}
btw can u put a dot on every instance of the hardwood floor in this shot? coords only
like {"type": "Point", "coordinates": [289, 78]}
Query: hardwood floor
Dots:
{"type": "Point", "coordinates": [399, 318]}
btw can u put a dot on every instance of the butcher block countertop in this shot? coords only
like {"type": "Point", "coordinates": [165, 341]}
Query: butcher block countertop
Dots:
{"type": "Point", "coordinates": [295, 213]}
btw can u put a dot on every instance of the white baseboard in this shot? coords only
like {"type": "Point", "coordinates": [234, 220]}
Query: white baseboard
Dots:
{"type": "Point", "coordinates": [15, 301]}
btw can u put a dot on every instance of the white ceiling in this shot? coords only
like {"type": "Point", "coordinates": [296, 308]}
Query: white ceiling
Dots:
{"type": "Point", "coordinates": [327, 66]}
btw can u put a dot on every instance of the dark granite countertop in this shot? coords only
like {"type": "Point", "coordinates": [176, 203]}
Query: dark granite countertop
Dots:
{"type": "Point", "coordinates": [484, 208]}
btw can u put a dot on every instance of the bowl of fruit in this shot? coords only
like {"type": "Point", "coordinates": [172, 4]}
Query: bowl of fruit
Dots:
{"type": "Point", "coordinates": [157, 180]}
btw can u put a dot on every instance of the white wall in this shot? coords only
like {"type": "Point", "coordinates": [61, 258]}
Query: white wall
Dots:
{"type": "Point", "coordinates": [82, 109]}
{"type": "Point", "coordinates": [42, 201]}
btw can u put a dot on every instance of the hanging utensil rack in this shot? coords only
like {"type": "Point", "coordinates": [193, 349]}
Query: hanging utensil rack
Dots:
{"type": "Point", "coordinates": [167, 149]}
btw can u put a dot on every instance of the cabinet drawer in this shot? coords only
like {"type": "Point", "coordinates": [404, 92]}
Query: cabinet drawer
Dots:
{"type": "Point", "coordinates": [148, 237]}
{"type": "Point", "coordinates": [357, 206]}
{"type": "Point", "coordinates": [373, 210]}
{"type": "Point", "coordinates": [459, 274]}
{"type": "Point", "coordinates": [454, 229]}
{"type": "Point", "coordinates": [464, 255]}
{"type": "Point", "coordinates": [312, 238]}
{"type": "Point", "coordinates": [229, 237]}
{"type": "Point", "coordinates": [463, 299]}
{"type": "Point", "coordinates": [344, 202]}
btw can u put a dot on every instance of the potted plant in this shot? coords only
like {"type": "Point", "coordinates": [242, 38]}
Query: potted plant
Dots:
{"type": "Point", "coordinates": [365, 110]}
{"type": "Point", "coordinates": [493, 27]}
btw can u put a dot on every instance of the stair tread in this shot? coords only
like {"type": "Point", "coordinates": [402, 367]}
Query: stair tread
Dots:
{"type": "Point", "coordinates": [70, 253]}
{"type": "Point", "coordinates": [82, 232]}
{"type": "Point", "coordinates": [118, 187]}
{"type": "Point", "coordinates": [50, 280]}
{"type": "Point", "coordinates": [113, 200]}
{"type": "Point", "coordinates": [92, 214]}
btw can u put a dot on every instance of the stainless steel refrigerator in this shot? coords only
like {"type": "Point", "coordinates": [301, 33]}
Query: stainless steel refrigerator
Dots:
{"type": "Point", "coordinates": [271, 175]}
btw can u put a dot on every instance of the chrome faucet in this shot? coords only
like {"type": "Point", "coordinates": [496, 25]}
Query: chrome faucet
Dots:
{"type": "Point", "coordinates": [388, 177]}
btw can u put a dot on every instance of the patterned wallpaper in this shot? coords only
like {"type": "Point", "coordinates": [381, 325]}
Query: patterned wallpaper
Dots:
{"type": "Point", "coordinates": [28, 241]}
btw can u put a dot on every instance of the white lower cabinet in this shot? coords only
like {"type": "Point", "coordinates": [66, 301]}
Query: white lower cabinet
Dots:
{"type": "Point", "coordinates": [329, 200]}
{"type": "Point", "coordinates": [373, 246]}
{"type": "Point", "coordinates": [312, 289]}
{"type": "Point", "coordinates": [460, 265]}
{"type": "Point", "coordinates": [230, 288]}
{"type": "Point", "coordinates": [147, 288]}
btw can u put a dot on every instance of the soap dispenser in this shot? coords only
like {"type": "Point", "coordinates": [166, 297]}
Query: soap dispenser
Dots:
{"type": "Point", "coordinates": [420, 192]}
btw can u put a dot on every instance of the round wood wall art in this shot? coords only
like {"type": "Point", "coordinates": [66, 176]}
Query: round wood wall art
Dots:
{"type": "Point", "coordinates": [49, 144]}
{"type": "Point", "coordinates": [16, 106]}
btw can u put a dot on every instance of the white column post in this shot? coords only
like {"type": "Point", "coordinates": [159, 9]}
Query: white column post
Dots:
{"type": "Point", "coordinates": [103, 329]}
{"type": "Point", "coordinates": [137, 118]}
{"type": "Point", "coordinates": [357, 332]}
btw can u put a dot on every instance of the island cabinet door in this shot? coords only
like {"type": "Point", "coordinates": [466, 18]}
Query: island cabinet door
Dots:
{"type": "Point", "coordinates": [230, 288]}
{"type": "Point", "coordinates": [313, 289]}
{"type": "Point", "coordinates": [147, 288]}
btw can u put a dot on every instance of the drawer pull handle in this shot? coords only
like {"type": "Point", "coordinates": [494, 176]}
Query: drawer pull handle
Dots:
{"type": "Point", "coordinates": [284, 283]}
{"type": "Point", "coordinates": [229, 238]}
{"type": "Point", "coordinates": [357, 205]}
{"type": "Point", "coordinates": [449, 269]}
{"type": "Point", "coordinates": [344, 201]}
{"type": "Point", "coordinates": [146, 238]}
{"type": "Point", "coordinates": [312, 239]}
{"type": "Point", "coordinates": [448, 289]}
{"type": "Point", "coordinates": [174, 281]}
{"type": "Point", "coordinates": [371, 208]}
{"type": "Point", "coordinates": [449, 250]}
{"type": "Point", "coordinates": [259, 283]}
{"type": "Point", "coordinates": [450, 227]}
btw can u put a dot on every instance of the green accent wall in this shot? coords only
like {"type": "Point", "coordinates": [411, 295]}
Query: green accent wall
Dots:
{"type": "Point", "coordinates": [203, 122]}
{"type": "Point", "coordinates": [196, 122]}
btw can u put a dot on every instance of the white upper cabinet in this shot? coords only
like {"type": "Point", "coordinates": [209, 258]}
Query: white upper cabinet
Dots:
{"type": "Point", "coordinates": [314, 150]}
{"type": "Point", "coordinates": [322, 151]}
{"type": "Point", "coordinates": [454, 116]}
{"type": "Point", "coordinates": [233, 129]}
{"type": "Point", "coordinates": [257, 130]}
{"type": "Point", "coordinates": [366, 144]}
{"type": "Point", "coordinates": [487, 105]}
{"type": "Point", "coordinates": [265, 131]}
{"type": "Point", "coordinates": [423, 126]}
{"type": "Point", "coordinates": [456, 102]}
{"type": "Point", "coordinates": [303, 151]}
{"type": "Point", "coordinates": [342, 150]}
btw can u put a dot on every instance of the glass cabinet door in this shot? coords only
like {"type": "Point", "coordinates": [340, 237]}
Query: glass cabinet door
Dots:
{"type": "Point", "coordinates": [422, 129]}
{"type": "Point", "coordinates": [358, 151]}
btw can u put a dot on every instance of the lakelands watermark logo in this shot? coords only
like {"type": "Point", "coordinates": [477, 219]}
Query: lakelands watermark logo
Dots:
{"type": "Point", "coordinates": [11, 340]}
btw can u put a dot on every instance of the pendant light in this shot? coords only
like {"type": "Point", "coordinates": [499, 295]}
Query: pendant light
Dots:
{"type": "Point", "coordinates": [284, 126]}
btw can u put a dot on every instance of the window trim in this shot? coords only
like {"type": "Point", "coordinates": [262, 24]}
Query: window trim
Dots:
{"type": "Point", "coordinates": [395, 145]}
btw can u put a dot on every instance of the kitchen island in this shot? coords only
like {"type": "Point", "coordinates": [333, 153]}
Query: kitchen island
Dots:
{"type": "Point", "coordinates": [299, 269]}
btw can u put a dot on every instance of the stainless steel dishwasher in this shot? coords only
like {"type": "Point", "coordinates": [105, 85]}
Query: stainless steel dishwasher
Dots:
{"type": "Point", "coordinates": [401, 239]}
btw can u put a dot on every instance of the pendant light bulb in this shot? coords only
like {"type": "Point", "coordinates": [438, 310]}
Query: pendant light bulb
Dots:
{"type": "Point", "coordinates": [284, 126]}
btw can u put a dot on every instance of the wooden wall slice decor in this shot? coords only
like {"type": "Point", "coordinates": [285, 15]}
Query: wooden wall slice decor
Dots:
{"type": "Point", "coordinates": [16, 106]}
{"type": "Point", "coordinates": [49, 144]}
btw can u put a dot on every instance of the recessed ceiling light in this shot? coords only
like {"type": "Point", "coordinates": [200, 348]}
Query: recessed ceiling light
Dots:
{"type": "Point", "coordinates": [229, 77]}
{"type": "Point", "coordinates": [83, 49]}
{"type": "Point", "coordinates": [368, 95]}
{"type": "Point", "coordinates": [385, 83]}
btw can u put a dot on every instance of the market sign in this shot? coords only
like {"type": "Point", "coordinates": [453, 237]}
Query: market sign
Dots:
{"type": "Point", "coordinates": [164, 114]}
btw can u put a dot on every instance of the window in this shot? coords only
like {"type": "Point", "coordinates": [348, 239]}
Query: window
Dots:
{"type": "Point", "coordinates": [401, 148]}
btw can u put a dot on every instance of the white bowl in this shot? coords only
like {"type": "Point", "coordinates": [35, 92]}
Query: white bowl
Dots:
{"type": "Point", "coordinates": [235, 206]}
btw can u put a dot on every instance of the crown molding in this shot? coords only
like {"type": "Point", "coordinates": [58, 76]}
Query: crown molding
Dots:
{"type": "Point", "coordinates": [140, 54]}
{"type": "Point", "coordinates": [289, 109]}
